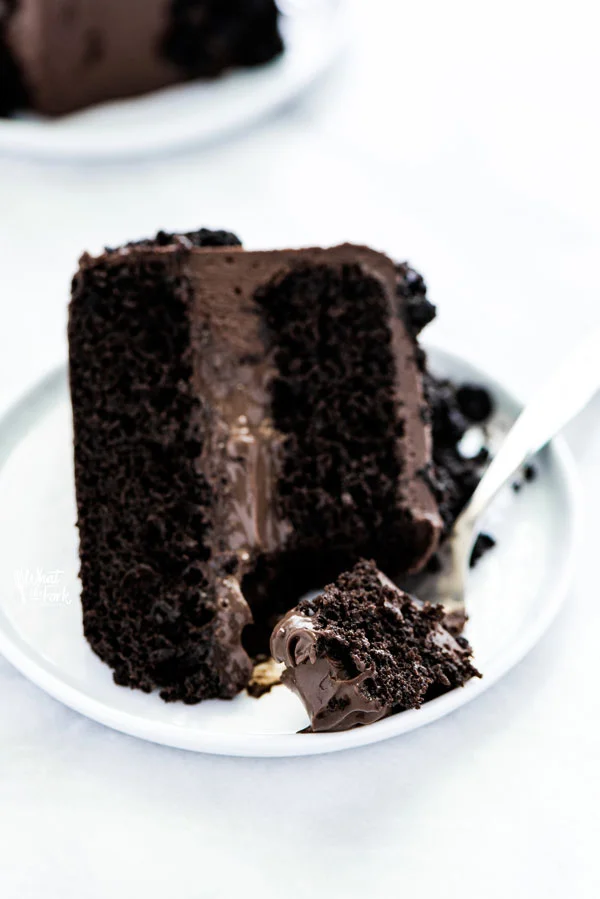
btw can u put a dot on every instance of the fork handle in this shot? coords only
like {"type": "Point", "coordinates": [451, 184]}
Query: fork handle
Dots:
{"type": "Point", "coordinates": [563, 396]}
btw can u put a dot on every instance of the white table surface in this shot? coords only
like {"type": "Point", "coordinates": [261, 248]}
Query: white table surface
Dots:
{"type": "Point", "coordinates": [463, 136]}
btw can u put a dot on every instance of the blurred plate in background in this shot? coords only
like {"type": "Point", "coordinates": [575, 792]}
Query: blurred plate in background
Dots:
{"type": "Point", "coordinates": [194, 112]}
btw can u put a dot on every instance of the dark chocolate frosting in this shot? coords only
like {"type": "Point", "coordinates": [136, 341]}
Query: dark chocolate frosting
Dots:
{"type": "Point", "coordinates": [333, 701]}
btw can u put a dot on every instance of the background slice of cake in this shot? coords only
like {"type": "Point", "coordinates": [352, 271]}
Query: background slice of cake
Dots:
{"type": "Point", "coordinates": [247, 426]}
{"type": "Point", "coordinates": [363, 649]}
{"type": "Point", "coordinates": [57, 56]}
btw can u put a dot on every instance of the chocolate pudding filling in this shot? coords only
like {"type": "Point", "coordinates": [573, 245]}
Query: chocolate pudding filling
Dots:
{"type": "Point", "coordinates": [334, 700]}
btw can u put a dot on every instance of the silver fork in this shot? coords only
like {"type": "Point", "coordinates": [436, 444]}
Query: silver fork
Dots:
{"type": "Point", "coordinates": [561, 398]}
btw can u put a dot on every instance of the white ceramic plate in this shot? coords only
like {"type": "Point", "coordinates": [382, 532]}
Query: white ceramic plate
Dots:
{"type": "Point", "coordinates": [190, 113]}
{"type": "Point", "coordinates": [513, 595]}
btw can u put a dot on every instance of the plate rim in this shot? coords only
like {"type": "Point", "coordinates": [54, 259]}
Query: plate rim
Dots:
{"type": "Point", "coordinates": [14, 424]}
{"type": "Point", "coordinates": [52, 140]}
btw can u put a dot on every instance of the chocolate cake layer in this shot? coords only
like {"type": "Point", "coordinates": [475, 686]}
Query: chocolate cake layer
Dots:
{"type": "Point", "coordinates": [364, 649]}
{"type": "Point", "coordinates": [245, 423]}
{"type": "Point", "coordinates": [150, 607]}
{"type": "Point", "coordinates": [66, 54]}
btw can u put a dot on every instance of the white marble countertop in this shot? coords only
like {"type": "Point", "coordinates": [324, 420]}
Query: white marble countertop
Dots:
{"type": "Point", "coordinates": [463, 136]}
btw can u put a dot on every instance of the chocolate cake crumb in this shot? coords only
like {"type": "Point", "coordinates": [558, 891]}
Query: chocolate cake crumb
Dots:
{"type": "Point", "coordinates": [207, 37]}
{"type": "Point", "coordinates": [416, 309]}
{"type": "Point", "coordinates": [528, 474]}
{"type": "Point", "coordinates": [475, 403]}
{"type": "Point", "coordinates": [203, 237]}
{"type": "Point", "coordinates": [452, 476]}
{"type": "Point", "coordinates": [455, 622]}
{"type": "Point", "coordinates": [363, 650]}
{"type": "Point", "coordinates": [483, 544]}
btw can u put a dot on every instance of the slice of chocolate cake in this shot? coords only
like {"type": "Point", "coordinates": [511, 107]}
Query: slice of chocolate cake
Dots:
{"type": "Point", "coordinates": [363, 650]}
{"type": "Point", "coordinates": [247, 426]}
{"type": "Point", "coordinates": [57, 56]}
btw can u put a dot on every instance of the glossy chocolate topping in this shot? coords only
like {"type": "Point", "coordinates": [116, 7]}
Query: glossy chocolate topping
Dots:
{"type": "Point", "coordinates": [333, 701]}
